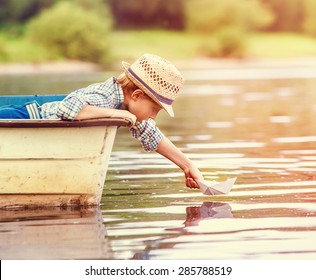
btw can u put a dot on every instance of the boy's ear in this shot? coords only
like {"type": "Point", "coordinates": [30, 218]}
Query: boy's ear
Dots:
{"type": "Point", "coordinates": [137, 93]}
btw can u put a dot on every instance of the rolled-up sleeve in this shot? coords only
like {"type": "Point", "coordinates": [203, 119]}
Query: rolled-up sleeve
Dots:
{"type": "Point", "coordinates": [70, 107]}
{"type": "Point", "coordinates": [106, 94]}
{"type": "Point", "coordinates": [101, 95]}
{"type": "Point", "coordinates": [148, 134]}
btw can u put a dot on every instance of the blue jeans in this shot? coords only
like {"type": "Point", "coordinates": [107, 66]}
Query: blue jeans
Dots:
{"type": "Point", "coordinates": [29, 110]}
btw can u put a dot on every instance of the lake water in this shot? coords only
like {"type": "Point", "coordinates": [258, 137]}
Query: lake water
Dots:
{"type": "Point", "coordinates": [254, 124]}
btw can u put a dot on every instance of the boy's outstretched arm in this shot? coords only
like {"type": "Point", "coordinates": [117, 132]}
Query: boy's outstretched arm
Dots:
{"type": "Point", "coordinates": [167, 149]}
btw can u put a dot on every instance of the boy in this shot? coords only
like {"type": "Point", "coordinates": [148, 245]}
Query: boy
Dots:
{"type": "Point", "coordinates": [140, 92]}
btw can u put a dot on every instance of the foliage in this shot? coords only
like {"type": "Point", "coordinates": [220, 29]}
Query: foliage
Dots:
{"type": "Point", "coordinates": [169, 44]}
{"type": "Point", "coordinates": [309, 24]}
{"type": "Point", "coordinates": [16, 11]}
{"type": "Point", "coordinates": [174, 45]}
{"type": "Point", "coordinates": [3, 51]}
{"type": "Point", "coordinates": [213, 28]}
{"type": "Point", "coordinates": [99, 7]}
{"type": "Point", "coordinates": [209, 16]}
{"type": "Point", "coordinates": [69, 30]}
{"type": "Point", "coordinates": [232, 42]}
{"type": "Point", "coordinates": [294, 16]}
{"type": "Point", "coordinates": [291, 15]}
{"type": "Point", "coordinates": [288, 15]}
{"type": "Point", "coordinates": [148, 13]}
{"type": "Point", "coordinates": [227, 42]}
{"type": "Point", "coordinates": [226, 22]}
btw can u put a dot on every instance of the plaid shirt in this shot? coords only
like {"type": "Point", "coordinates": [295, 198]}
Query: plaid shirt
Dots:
{"type": "Point", "coordinates": [108, 95]}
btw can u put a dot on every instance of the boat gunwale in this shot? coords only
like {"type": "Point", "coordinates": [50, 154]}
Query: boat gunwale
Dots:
{"type": "Point", "coordinates": [27, 123]}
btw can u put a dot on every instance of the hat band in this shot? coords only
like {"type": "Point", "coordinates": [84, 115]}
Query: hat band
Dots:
{"type": "Point", "coordinates": [161, 98]}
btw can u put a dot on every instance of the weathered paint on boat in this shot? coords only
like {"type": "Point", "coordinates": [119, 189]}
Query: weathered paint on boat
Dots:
{"type": "Point", "coordinates": [54, 163]}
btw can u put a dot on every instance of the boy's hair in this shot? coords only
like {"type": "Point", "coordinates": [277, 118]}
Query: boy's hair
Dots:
{"type": "Point", "coordinates": [126, 84]}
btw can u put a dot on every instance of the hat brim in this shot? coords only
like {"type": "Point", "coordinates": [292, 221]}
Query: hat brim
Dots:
{"type": "Point", "coordinates": [166, 107]}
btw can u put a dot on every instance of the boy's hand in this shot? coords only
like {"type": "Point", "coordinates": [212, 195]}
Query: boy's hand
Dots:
{"type": "Point", "coordinates": [192, 175]}
{"type": "Point", "coordinates": [129, 117]}
{"type": "Point", "coordinates": [191, 183]}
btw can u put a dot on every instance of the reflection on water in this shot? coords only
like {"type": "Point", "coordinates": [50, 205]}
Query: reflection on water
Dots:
{"type": "Point", "coordinates": [261, 131]}
{"type": "Point", "coordinates": [53, 233]}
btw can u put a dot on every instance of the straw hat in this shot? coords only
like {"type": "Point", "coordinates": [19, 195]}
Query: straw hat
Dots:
{"type": "Point", "coordinates": [157, 77]}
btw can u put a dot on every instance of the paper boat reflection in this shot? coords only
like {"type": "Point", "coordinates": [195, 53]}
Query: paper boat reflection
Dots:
{"type": "Point", "coordinates": [208, 210]}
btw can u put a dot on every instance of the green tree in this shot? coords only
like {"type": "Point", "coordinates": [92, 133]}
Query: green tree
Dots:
{"type": "Point", "coordinates": [288, 15]}
{"type": "Point", "coordinates": [309, 24]}
{"type": "Point", "coordinates": [225, 24]}
{"type": "Point", "coordinates": [72, 32]}
{"type": "Point", "coordinates": [3, 51]}
{"type": "Point", "coordinates": [148, 13]}
{"type": "Point", "coordinates": [211, 15]}
{"type": "Point", "coordinates": [19, 11]}
{"type": "Point", "coordinates": [97, 6]}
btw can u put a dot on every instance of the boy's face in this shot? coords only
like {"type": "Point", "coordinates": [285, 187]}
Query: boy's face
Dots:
{"type": "Point", "coordinates": [142, 106]}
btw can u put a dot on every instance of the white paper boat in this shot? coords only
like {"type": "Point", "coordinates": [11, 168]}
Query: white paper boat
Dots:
{"type": "Point", "coordinates": [214, 188]}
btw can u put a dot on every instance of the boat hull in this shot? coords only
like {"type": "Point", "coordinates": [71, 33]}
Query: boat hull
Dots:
{"type": "Point", "coordinates": [55, 161]}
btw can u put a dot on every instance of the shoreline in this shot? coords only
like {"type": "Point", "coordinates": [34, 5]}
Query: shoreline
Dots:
{"type": "Point", "coordinates": [246, 63]}
{"type": "Point", "coordinates": [51, 67]}
{"type": "Point", "coordinates": [73, 67]}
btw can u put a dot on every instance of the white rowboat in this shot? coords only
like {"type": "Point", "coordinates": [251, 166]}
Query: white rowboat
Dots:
{"type": "Point", "coordinates": [54, 163]}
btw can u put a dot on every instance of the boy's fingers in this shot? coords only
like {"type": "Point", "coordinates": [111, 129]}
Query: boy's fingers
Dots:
{"type": "Point", "coordinates": [131, 122]}
{"type": "Point", "coordinates": [191, 183]}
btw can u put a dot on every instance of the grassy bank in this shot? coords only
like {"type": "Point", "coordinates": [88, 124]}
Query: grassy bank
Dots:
{"type": "Point", "coordinates": [281, 45]}
{"type": "Point", "coordinates": [170, 44]}
{"type": "Point", "coordinates": [19, 49]}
